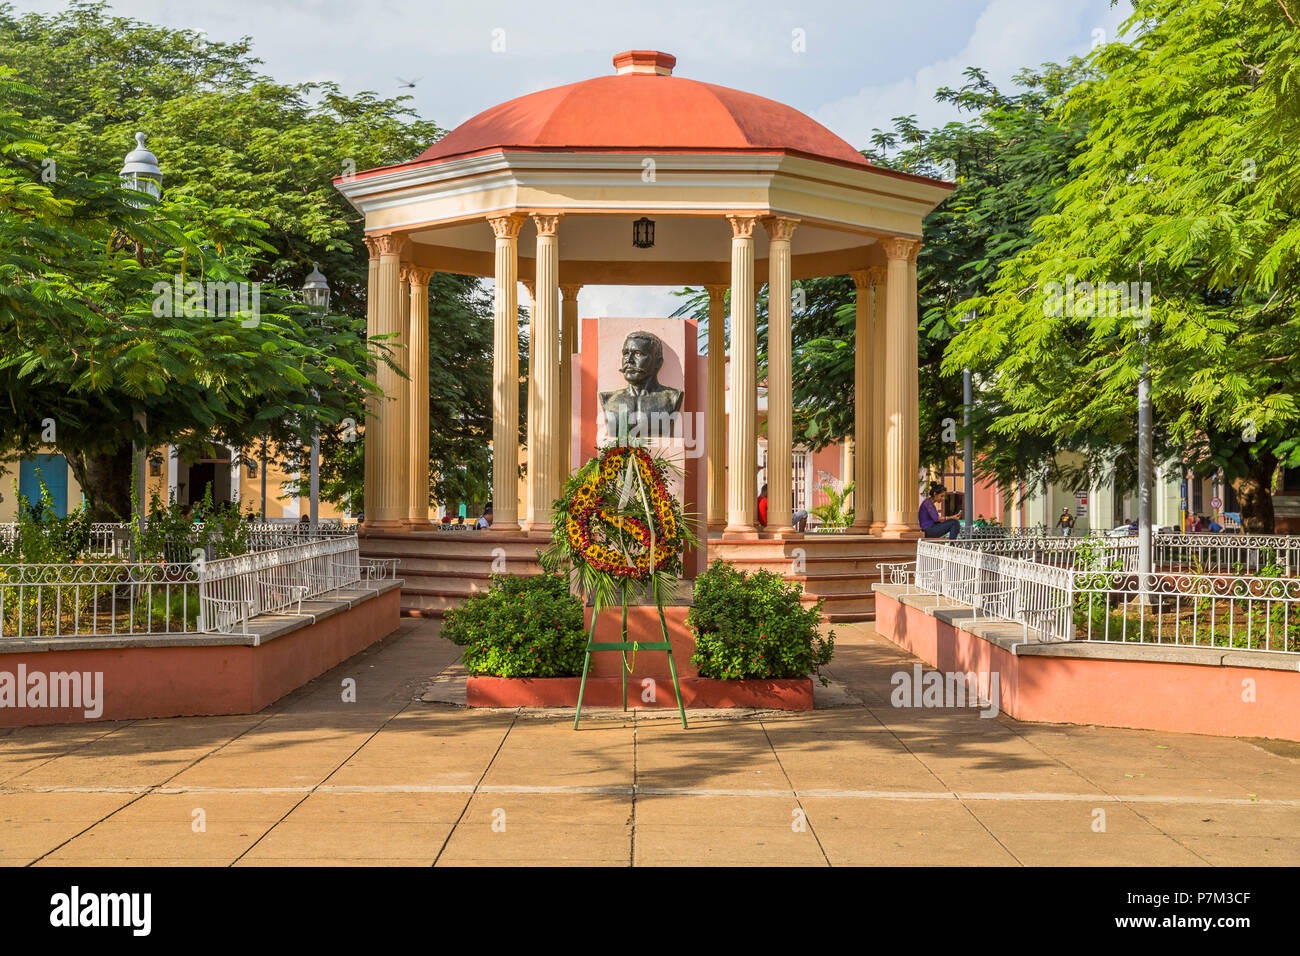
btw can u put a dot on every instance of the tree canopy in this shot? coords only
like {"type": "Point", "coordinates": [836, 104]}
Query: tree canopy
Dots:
{"type": "Point", "coordinates": [1186, 186]}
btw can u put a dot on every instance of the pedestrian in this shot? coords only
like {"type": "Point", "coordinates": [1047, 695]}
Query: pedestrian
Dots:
{"type": "Point", "coordinates": [933, 524]}
{"type": "Point", "coordinates": [762, 507]}
{"type": "Point", "coordinates": [1065, 522]}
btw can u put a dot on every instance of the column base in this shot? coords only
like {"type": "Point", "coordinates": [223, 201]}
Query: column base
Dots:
{"type": "Point", "coordinates": [740, 532]}
{"type": "Point", "coordinates": [877, 528]}
{"type": "Point", "coordinates": [539, 530]}
{"type": "Point", "coordinates": [503, 528]}
{"type": "Point", "coordinates": [908, 532]}
{"type": "Point", "coordinates": [717, 524]}
{"type": "Point", "coordinates": [416, 524]}
{"type": "Point", "coordinates": [784, 534]}
{"type": "Point", "coordinates": [386, 526]}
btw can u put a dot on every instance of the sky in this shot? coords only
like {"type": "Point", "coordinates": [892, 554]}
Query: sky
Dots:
{"type": "Point", "coordinates": [852, 65]}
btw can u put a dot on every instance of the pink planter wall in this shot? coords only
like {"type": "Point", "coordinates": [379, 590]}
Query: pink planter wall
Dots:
{"type": "Point", "coordinates": [1146, 695]}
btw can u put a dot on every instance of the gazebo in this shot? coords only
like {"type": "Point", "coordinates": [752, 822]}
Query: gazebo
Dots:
{"type": "Point", "coordinates": [549, 189]}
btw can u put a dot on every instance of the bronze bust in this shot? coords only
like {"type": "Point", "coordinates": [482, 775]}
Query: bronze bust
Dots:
{"type": "Point", "coordinates": [632, 410]}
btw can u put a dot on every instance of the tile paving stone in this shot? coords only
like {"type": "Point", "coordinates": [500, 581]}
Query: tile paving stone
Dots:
{"type": "Point", "coordinates": [125, 841]}
{"type": "Point", "coordinates": [24, 842]}
{"type": "Point", "coordinates": [344, 840]}
{"type": "Point", "coordinates": [17, 808]}
{"type": "Point", "coordinates": [330, 806]}
{"type": "Point", "coordinates": [914, 846]}
{"type": "Point", "coordinates": [560, 842]}
{"type": "Point", "coordinates": [679, 810]}
{"type": "Point", "coordinates": [1045, 848]}
{"type": "Point", "coordinates": [841, 813]}
{"type": "Point", "coordinates": [1059, 816]}
{"type": "Point", "coordinates": [1209, 820]}
{"type": "Point", "coordinates": [1275, 850]}
{"type": "Point", "coordinates": [664, 845]}
{"type": "Point", "coordinates": [172, 809]}
{"type": "Point", "coordinates": [548, 810]}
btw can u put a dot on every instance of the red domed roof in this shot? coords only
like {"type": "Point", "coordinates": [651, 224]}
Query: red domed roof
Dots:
{"type": "Point", "coordinates": [645, 108]}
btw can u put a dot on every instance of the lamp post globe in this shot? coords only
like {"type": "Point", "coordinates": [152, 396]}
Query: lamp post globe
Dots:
{"type": "Point", "coordinates": [140, 170]}
{"type": "Point", "coordinates": [315, 289]}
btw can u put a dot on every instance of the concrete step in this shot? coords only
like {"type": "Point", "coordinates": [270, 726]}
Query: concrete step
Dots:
{"type": "Point", "coordinates": [414, 564]}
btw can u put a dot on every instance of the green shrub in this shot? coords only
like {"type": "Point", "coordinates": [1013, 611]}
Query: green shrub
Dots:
{"type": "Point", "coordinates": [522, 626]}
{"type": "Point", "coordinates": [753, 626]}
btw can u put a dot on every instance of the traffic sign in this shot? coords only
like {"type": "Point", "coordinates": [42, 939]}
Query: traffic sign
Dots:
{"type": "Point", "coordinates": [1216, 503]}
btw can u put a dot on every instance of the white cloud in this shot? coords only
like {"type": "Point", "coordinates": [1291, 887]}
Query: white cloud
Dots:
{"type": "Point", "coordinates": [1008, 36]}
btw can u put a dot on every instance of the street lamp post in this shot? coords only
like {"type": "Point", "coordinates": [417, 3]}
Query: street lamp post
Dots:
{"type": "Point", "coordinates": [968, 460]}
{"type": "Point", "coordinates": [316, 293]}
{"type": "Point", "coordinates": [1144, 475]}
{"type": "Point", "coordinates": [140, 172]}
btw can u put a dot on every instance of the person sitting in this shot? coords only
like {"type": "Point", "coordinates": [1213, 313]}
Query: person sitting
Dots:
{"type": "Point", "coordinates": [934, 525]}
{"type": "Point", "coordinates": [762, 507]}
{"type": "Point", "coordinates": [1132, 525]}
{"type": "Point", "coordinates": [1214, 527]}
{"type": "Point", "coordinates": [485, 520]}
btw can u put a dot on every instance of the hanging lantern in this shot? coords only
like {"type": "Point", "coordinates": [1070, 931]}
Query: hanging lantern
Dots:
{"type": "Point", "coordinates": [643, 233]}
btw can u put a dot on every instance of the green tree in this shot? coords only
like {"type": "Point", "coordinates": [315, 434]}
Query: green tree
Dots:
{"type": "Point", "coordinates": [94, 341]}
{"type": "Point", "coordinates": [233, 137]}
{"type": "Point", "coordinates": [1188, 181]}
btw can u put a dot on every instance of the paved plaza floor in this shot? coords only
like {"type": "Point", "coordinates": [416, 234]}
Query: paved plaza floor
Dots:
{"type": "Point", "coordinates": [393, 779]}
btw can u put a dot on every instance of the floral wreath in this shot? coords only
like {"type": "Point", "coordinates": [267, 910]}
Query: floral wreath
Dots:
{"type": "Point", "coordinates": [618, 518]}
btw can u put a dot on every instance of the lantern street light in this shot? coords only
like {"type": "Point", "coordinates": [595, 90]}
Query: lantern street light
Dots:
{"type": "Point", "coordinates": [140, 170]}
{"type": "Point", "coordinates": [316, 293]}
{"type": "Point", "coordinates": [315, 290]}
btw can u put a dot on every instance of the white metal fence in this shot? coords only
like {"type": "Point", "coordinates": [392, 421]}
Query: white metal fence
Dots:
{"type": "Point", "coordinates": [222, 595]}
{"type": "Point", "coordinates": [113, 539]}
{"type": "Point", "coordinates": [1090, 590]}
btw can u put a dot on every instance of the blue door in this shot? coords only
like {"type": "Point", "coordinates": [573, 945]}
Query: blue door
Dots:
{"type": "Point", "coordinates": [53, 470]}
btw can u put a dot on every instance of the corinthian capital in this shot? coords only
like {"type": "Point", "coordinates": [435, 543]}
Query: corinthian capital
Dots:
{"type": "Point", "coordinates": [547, 224]}
{"type": "Point", "coordinates": [507, 227]}
{"type": "Point", "coordinates": [742, 227]}
{"type": "Point", "coordinates": [390, 243]}
{"type": "Point", "coordinates": [780, 228]}
{"type": "Point", "coordinates": [896, 247]}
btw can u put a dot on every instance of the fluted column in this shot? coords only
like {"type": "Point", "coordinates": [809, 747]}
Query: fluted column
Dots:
{"type": "Point", "coordinates": [717, 403]}
{"type": "Point", "coordinates": [568, 348]}
{"type": "Point", "coordinates": [374, 442]}
{"type": "Point", "coordinates": [780, 386]}
{"type": "Point", "coordinates": [530, 405]}
{"type": "Point", "coordinates": [902, 439]}
{"type": "Point", "coordinates": [875, 490]}
{"type": "Point", "coordinates": [505, 375]}
{"type": "Point", "coordinates": [862, 354]}
{"type": "Point", "coordinates": [392, 464]}
{"type": "Point", "coordinates": [418, 502]}
{"type": "Point", "coordinates": [742, 440]}
{"type": "Point", "coordinates": [546, 346]}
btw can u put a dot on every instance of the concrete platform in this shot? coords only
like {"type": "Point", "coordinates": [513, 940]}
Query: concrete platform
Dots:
{"type": "Point", "coordinates": [389, 780]}
{"type": "Point", "coordinates": [121, 677]}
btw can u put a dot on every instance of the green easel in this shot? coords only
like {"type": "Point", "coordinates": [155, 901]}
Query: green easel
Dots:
{"type": "Point", "coordinates": [624, 646]}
